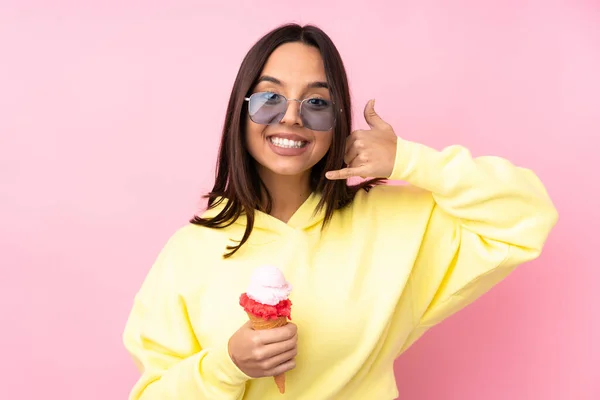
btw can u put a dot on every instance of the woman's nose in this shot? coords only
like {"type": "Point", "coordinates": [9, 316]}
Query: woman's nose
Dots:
{"type": "Point", "coordinates": [292, 114]}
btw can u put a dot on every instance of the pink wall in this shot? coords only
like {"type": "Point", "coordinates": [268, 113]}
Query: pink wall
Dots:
{"type": "Point", "coordinates": [109, 121]}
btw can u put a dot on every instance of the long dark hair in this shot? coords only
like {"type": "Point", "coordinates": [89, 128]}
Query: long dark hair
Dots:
{"type": "Point", "coordinates": [237, 182]}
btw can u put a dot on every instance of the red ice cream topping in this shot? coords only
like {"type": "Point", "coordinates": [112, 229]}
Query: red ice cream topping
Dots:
{"type": "Point", "coordinates": [265, 311]}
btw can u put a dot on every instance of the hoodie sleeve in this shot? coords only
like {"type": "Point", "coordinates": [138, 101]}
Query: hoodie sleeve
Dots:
{"type": "Point", "coordinates": [159, 337]}
{"type": "Point", "coordinates": [488, 217]}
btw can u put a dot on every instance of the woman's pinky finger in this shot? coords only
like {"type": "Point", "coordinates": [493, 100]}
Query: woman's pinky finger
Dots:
{"type": "Point", "coordinates": [281, 368]}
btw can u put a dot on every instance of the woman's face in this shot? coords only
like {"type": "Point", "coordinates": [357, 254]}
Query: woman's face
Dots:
{"type": "Point", "coordinates": [296, 71]}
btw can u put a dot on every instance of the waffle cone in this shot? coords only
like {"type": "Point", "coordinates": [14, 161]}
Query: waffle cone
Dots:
{"type": "Point", "coordinates": [260, 324]}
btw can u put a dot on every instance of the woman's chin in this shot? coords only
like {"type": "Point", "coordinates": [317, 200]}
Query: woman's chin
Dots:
{"type": "Point", "coordinates": [289, 169]}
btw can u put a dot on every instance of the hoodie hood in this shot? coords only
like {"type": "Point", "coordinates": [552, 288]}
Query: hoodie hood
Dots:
{"type": "Point", "coordinates": [303, 219]}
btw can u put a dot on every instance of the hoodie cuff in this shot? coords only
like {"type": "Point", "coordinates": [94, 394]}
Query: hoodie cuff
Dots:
{"type": "Point", "coordinates": [405, 156]}
{"type": "Point", "coordinates": [221, 367]}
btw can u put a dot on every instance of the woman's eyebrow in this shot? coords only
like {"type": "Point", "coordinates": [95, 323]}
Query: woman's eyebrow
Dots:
{"type": "Point", "coordinates": [312, 85]}
{"type": "Point", "coordinates": [267, 78]}
{"type": "Point", "coordinates": [317, 85]}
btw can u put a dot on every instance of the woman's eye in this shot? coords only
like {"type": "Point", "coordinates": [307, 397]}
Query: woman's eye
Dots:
{"type": "Point", "coordinates": [271, 97]}
{"type": "Point", "coordinates": [318, 103]}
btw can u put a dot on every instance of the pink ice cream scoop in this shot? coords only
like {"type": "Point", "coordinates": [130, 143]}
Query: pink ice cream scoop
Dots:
{"type": "Point", "coordinates": [268, 286]}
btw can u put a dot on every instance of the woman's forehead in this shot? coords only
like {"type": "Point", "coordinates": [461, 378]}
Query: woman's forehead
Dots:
{"type": "Point", "coordinates": [295, 64]}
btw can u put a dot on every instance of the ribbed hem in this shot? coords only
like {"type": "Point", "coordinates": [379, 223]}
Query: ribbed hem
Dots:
{"type": "Point", "coordinates": [219, 364]}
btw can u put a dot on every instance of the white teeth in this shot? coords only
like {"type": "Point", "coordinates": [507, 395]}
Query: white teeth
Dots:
{"type": "Point", "coordinates": [287, 143]}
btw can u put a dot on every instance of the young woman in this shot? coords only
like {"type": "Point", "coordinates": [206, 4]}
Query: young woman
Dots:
{"type": "Point", "coordinates": [373, 266]}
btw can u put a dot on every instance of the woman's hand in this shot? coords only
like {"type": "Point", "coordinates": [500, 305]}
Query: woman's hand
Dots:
{"type": "Point", "coordinates": [263, 353]}
{"type": "Point", "coordinates": [369, 153]}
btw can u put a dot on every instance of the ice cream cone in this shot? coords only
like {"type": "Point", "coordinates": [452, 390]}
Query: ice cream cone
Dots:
{"type": "Point", "coordinates": [280, 382]}
{"type": "Point", "coordinates": [267, 304]}
{"type": "Point", "coordinates": [259, 324]}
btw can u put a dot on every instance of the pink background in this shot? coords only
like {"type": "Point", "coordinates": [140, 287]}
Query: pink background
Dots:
{"type": "Point", "coordinates": [110, 115]}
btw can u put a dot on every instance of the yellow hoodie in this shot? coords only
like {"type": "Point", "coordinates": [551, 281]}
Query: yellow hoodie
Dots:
{"type": "Point", "coordinates": [395, 262]}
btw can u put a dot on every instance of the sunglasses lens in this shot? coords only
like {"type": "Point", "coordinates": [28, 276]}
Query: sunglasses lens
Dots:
{"type": "Point", "coordinates": [317, 114]}
{"type": "Point", "coordinates": [268, 108]}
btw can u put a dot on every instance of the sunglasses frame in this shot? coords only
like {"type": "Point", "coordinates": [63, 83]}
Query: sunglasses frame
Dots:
{"type": "Point", "coordinates": [247, 99]}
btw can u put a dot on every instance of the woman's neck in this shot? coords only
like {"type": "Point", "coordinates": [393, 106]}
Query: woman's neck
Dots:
{"type": "Point", "coordinates": [288, 193]}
